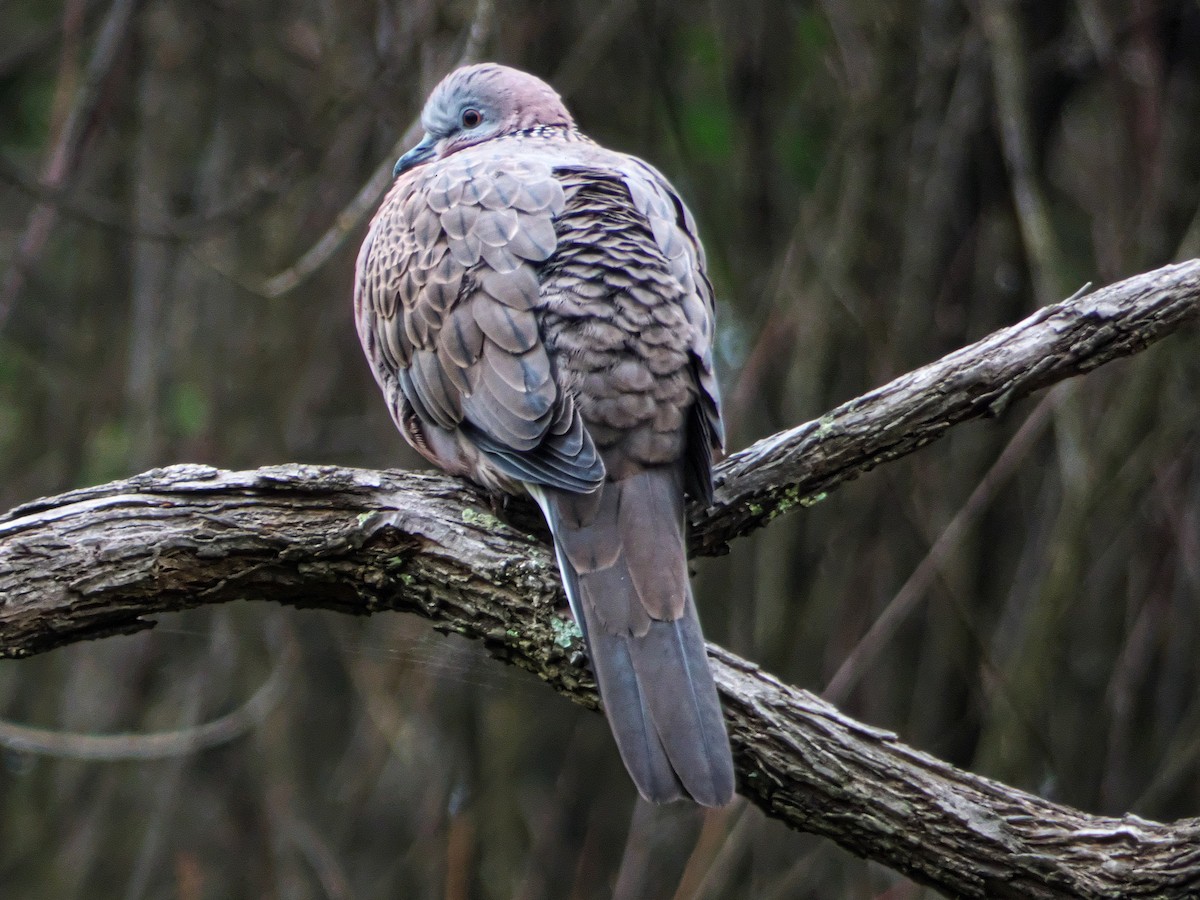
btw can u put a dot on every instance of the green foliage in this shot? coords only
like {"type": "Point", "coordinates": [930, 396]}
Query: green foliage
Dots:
{"type": "Point", "coordinates": [25, 105]}
{"type": "Point", "coordinates": [708, 128]}
{"type": "Point", "coordinates": [802, 138]}
{"type": "Point", "coordinates": [706, 119]}
{"type": "Point", "coordinates": [107, 453]}
{"type": "Point", "coordinates": [12, 405]}
{"type": "Point", "coordinates": [188, 410]}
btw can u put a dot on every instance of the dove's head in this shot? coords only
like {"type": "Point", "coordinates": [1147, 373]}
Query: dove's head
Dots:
{"type": "Point", "coordinates": [477, 103]}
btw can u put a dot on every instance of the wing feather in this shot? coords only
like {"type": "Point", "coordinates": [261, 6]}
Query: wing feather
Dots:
{"type": "Point", "coordinates": [448, 295]}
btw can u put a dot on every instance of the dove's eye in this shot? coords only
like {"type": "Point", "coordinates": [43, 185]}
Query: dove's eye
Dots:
{"type": "Point", "coordinates": [471, 118]}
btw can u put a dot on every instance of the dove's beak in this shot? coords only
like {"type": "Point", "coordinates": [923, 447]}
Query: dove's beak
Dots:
{"type": "Point", "coordinates": [417, 155]}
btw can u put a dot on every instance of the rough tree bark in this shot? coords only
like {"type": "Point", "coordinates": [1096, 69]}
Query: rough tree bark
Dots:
{"type": "Point", "coordinates": [103, 560]}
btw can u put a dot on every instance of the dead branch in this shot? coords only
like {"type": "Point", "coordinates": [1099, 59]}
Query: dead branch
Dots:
{"type": "Point", "coordinates": [801, 465]}
{"type": "Point", "coordinates": [104, 560]}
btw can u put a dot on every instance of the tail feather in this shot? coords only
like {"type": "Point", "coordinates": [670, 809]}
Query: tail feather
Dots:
{"type": "Point", "coordinates": [621, 555]}
{"type": "Point", "coordinates": [632, 719]}
{"type": "Point", "coordinates": [684, 708]}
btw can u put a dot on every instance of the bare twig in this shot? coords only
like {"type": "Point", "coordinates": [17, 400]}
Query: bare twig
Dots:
{"type": "Point", "coordinates": [162, 744]}
{"type": "Point", "coordinates": [35, 46]}
{"type": "Point", "coordinates": [368, 195]}
{"type": "Point", "coordinates": [191, 227]}
{"type": "Point", "coordinates": [65, 154]}
{"type": "Point", "coordinates": [363, 202]}
{"type": "Point", "coordinates": [1010, 85]}
{"type": "Point", "coordinates": [922, 577]}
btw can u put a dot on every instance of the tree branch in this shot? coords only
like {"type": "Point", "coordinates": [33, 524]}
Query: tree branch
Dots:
{"type": "Point", "coordinates": [102, 560]}
{"type": "Point", "coordinates": [803, 464]}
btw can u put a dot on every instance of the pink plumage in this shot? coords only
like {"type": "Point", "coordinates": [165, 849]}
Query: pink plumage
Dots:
{"type": "Point", "coordinates": [536, 311]}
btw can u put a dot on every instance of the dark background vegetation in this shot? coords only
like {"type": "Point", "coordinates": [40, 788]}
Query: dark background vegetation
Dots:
{"type": "Point", "coordinates": [877, 184]}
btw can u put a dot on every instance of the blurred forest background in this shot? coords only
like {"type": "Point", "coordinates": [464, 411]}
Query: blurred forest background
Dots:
{"type": "Point", "coordinates": [877, 184]}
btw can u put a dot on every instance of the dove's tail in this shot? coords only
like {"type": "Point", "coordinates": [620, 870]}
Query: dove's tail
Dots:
{"type": "Point", "coordinates": [622, 557]}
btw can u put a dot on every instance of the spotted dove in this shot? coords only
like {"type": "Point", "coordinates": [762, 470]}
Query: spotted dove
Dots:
{"type": "Point", "coordinates": [536, 310]}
